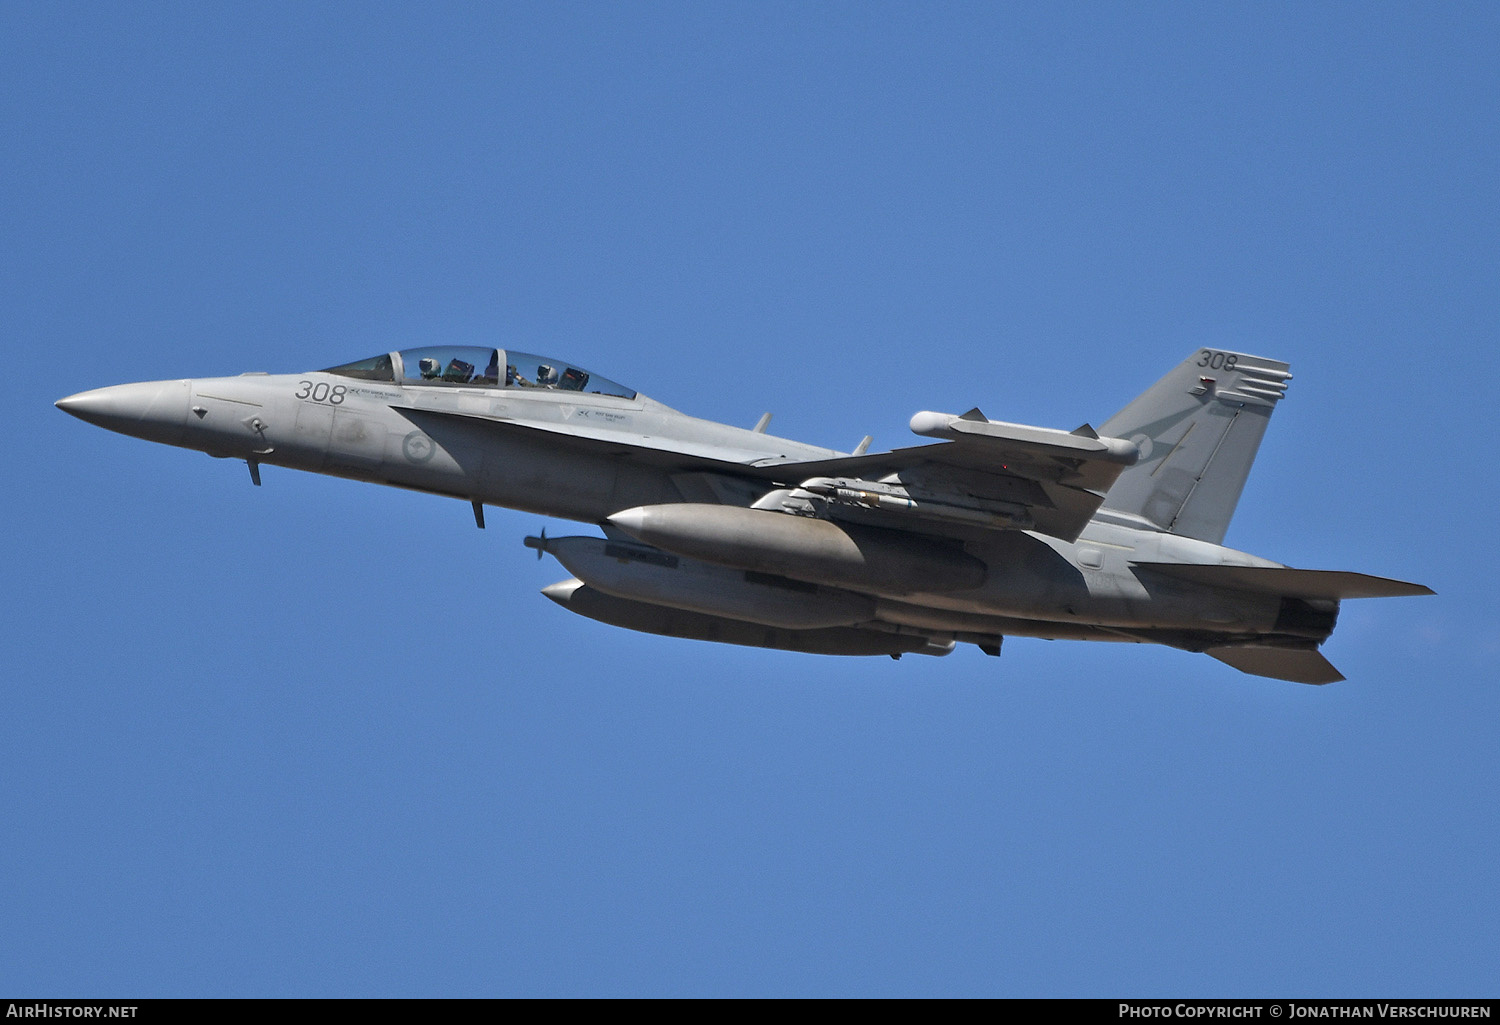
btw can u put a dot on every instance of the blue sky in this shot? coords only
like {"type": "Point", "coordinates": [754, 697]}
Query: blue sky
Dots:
{"type": "Point", "coordinates": [324, 738]}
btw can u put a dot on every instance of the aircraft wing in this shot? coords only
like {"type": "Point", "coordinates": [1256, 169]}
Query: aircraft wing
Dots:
{"type": "Point", "coordinates": [1045, 480]}
{"type": "Point", "coordinates": [1034, 478]}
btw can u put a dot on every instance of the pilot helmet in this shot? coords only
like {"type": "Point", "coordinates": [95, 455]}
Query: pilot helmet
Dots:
{"type": "Point", "coordinates": [430, 367]}
{"type": "Point", "coordinates": [546, 374]}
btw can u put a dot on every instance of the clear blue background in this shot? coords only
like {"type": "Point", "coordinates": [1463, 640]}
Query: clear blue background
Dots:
{"type": "Point", "coordinates": [323, 738]}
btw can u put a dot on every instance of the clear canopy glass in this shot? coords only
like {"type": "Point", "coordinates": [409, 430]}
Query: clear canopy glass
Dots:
{"type": "Point", "coordinates": [451, 364]}
{"type": "Point", "coordinates": [475, 366]}
{"type": "Point", "coordinates": [376, 368]}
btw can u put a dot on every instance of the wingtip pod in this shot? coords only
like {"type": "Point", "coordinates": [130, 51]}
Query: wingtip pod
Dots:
{"type": "Point", "coordinates": [929, 424]}
{"type": "Point", "coordinates": [1042, 440]}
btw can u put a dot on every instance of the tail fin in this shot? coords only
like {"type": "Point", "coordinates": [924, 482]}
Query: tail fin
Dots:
{"type": "Point", "coordinates": [1198, 430]}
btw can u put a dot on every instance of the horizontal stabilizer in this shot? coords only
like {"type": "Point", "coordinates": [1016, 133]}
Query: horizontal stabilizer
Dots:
{"type": "Point", "coordinates": [1287, 582]}
{"type": "Point", "coordinates": [1298, 665]}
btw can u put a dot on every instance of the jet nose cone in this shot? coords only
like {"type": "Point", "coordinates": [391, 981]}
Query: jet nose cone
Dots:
{"type": "Point", "coordinates": [91, 406]}
{"type": "Point", "coordinates": [154, 410]}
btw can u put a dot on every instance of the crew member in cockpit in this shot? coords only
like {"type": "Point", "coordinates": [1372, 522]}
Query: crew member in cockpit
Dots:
{"type": "Point", "coordinates": [491, 373]}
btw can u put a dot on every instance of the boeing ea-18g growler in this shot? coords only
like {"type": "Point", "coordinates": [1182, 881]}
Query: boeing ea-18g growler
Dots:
{"type": "Point", "coordinates": [724, 534]}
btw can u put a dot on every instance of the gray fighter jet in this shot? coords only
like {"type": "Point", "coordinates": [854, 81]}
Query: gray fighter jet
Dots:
{"type": "Point", "coordinates": [724, 534]}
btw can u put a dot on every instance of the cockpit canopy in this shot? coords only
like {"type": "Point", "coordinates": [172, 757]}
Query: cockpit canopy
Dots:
{"type": "Point", "coordinates": [478, 367]}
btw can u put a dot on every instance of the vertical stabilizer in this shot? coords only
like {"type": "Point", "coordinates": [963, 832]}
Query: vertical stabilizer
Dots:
{"type": "Point", "coordinates": [1198, 430]}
